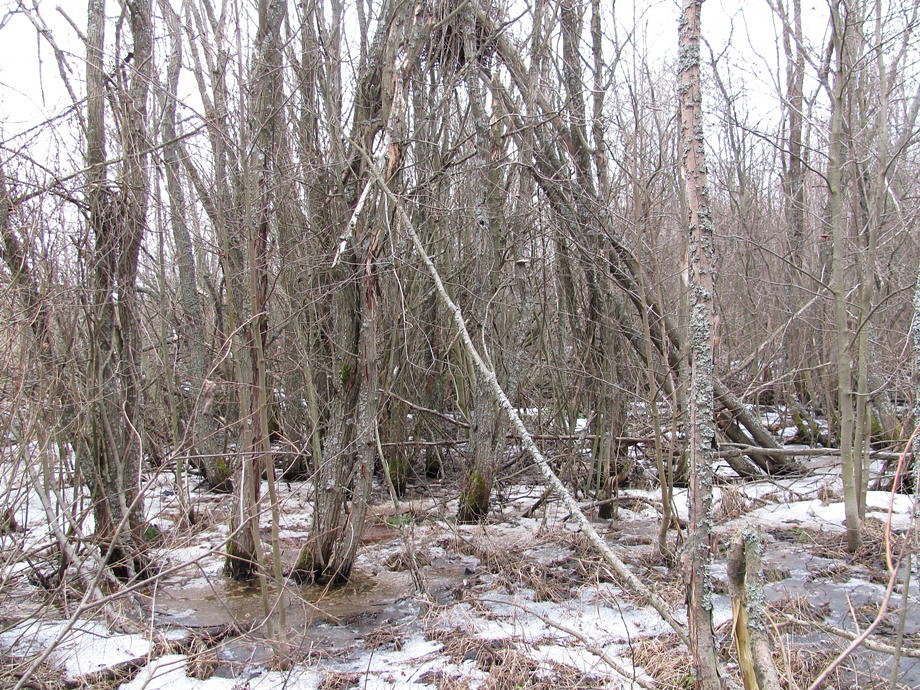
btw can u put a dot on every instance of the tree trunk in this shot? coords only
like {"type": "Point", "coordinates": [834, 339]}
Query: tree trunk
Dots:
{"type": "Point", "coordinates": [247, 287]}
{"type": "Point", "coordinates": [202, 427]}
{"type": "Point", "coordinates": [114, 448]}
{"type": "Point", "coordinates": [487, 441]}
{"type": "Point", "coordinates": [344, 476]}
{"type": "Point", "coordinates": [700, 548]}
{"type": "Point", "coordinates": [838, 221]}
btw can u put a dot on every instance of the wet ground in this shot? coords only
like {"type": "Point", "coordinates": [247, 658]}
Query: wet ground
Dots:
{"type": "Point", "coordinates": [505, 586]}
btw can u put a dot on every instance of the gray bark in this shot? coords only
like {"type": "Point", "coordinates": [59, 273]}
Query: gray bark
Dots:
{"type": "Point", "coordinates": [839, 285]}
{"type": "Point", "coordinates": [113, 452]}
{"type": "Point", "coordinates": [700, 547]}
{"type": "Point", "coordinates": [202, 428]}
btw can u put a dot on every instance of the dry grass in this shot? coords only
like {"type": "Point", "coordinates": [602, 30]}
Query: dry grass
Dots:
{"type": "Point", "coordinates": [833, 545]}
{"type": "Point", "coordinates": [665, 660]}
{"type": "Point", "coordinates": [334, 680]}
{"type": "Point", "coordinates": [444, 681]}
{"type": "Point", "coordinates": [388, 636]}
{"type": "Point", "coordinates": [799, 664]}
{"type": "Point", "coordinates": [733, 504]}
{"type": "Point", "coordinates": [797, 607]}
{"type": "Point", "coordinates": [400, 561]}
{"type": "Point", "coordinates": [46, 677]}
{"type": "Point", "coordinates": [517, 670]}
{"type": "Point", "coordinates": [202, 660]}
{"type": "Point", "coordinates": [555, 582]}
{"type": "Point", "coordinates": [506, 665]}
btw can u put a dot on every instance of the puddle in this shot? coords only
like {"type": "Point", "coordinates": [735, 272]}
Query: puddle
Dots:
{"type": "Point", "coordinates": [320, 621]}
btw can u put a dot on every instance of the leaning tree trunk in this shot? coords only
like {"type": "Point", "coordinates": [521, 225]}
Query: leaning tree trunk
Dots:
{"type": "Point", "coordinates": [623, 265]}
{"type": "Point", "coordinates": [701, 546]}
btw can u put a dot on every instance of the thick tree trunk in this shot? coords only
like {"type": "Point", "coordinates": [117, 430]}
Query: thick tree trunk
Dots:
{"type": "Point", "coordinates": [487, 441]}
{"type": "Point", "coordinates": [344, 476]}
{"type": "Point", "coordinates": [114, 448]}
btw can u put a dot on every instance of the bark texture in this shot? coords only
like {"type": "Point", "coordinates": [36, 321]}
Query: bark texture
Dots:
{"type": "Point", "coordinates": [700, 545]}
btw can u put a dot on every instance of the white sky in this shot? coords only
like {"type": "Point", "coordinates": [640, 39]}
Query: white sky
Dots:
{"type": "Point", "coordinates": [31, 90]}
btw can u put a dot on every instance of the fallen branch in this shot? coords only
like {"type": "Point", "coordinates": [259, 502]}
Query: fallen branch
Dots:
{"type": "Point", "coordinates": [633, 583]}
{"type": "Point", "coordinates": [871, 645]}
{"type": "Point", "coordinates": [584, 639]}
{"type": "Point", "coordinates": [738, 449]}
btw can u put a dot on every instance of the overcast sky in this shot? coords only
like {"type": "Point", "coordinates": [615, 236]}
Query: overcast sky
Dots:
{"type": "Point", "coordinates": [31, 90]}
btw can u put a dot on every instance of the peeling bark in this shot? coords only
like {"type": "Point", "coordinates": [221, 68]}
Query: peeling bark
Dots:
{"type": "Point", "coordinates": [749, 610]}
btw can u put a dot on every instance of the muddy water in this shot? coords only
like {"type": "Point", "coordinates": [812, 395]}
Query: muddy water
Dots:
{"type": "Point", "coordinates": [320, 621]}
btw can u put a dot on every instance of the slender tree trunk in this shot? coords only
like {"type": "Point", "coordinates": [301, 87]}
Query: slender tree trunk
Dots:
{"type": "Point", "coordinates": [202, 427]}
{"type": "Point", "coordinates": [837, 218]}
{"type": "Point", "coordinates": [701, 432]}
{"type": "Point", "coordinates": [249, 287]}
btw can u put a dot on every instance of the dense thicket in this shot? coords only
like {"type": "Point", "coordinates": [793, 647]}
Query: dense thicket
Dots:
{"type": "Point", "coordinates": [221, 281]}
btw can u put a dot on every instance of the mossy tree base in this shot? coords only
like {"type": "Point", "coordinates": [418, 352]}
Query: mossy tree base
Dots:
{"type": "Point", "coordinates": [398, 468]}
{"type": "Point", "coordinates": [434, 463]}
{"type": "Point", "coordinates": [219, 475]}
{"type": "Point", "coordinates": [308, 571]}
{"type": "Point", "coordinates": [474, 500]}
{"type": "Point", "coordinates": [238, 566]}
{"type": "Point", "coordinates": [128, 563]}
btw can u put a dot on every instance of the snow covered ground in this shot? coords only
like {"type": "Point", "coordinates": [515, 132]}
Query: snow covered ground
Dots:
{"type": "Point", "coordinates": [518, 598]}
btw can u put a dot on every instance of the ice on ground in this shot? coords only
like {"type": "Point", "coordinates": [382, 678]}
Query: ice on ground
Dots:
{"type": "Point", "coordinates": [169, 673]}
{"type": "Point", "coordinates": [819, 515]}
{"type": "Point", "coordinates": [86, 648]}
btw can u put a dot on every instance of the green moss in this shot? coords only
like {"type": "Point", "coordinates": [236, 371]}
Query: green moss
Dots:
{"type": "Point", "coordinates": [397, 467]}
{"type": "Point", "coordinates": [309, 570]}
{"type": "Point", "coordinates": [239, 565]}
{"type": "Point", "coordinates": [345, 373]}
{"type": "Point", "coordinates": [474, 501]}
{"type": "Point", "coordinates": [8, 522]}
{"type": "Point", "coordinates": [808, 430]}
{"type": "Point", "coordinates": [434, 464]}
{"type": "Point", "coordinates": [152, 533]}
{"type": "Point", "coordinates": [398, 520]}
{"type": "Point", "coordinates": [304, 569]}
{"type": "Point", "coordinates": [219, 475]}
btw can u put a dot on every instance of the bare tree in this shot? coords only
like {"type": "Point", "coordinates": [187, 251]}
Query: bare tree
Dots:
{"type": "Point", "coordinates": [114, 445]}
{"type": "Point", "coordinates": [699, 550]}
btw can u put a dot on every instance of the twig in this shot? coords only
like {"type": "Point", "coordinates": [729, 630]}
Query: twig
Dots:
{"type": "Point", "coordinates": [584, 639]}
{"type": "Point", "coordinates": [633, 583]}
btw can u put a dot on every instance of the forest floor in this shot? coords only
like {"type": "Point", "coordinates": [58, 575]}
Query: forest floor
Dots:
{"type": "Point", "coordinates": [518, 602]}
